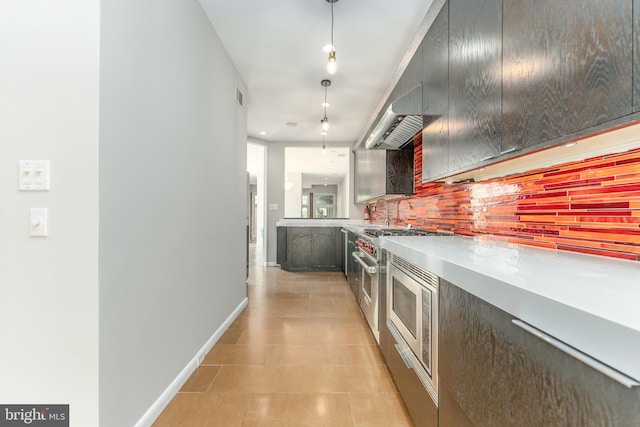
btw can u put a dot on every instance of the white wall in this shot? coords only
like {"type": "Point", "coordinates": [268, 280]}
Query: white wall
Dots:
{"type": "Point", "coordinates": [49, 286]}
{"type": "Point", "coordinates": [343, 198]}
{"type": "Point", "coordinates": [275, 197]}
{"type": "Point", "coordinates": [356, 211]}
{"type": "Point", "coordinates": [293, 196]}
{"type": "Point", "coordinates": [172, 197]}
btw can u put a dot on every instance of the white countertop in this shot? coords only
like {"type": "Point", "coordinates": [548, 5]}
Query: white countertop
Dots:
{"type": "Point", "coordinates": [321, 222]}
{"type": "Point", "coordinates": [591, 303]}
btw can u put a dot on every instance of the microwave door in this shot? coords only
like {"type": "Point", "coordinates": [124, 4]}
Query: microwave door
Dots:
{"type": "Point", "coordinates": [404, 303]}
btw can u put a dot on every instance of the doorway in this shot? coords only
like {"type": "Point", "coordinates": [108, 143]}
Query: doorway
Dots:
{"type": "Point", "coordinates": [255, 202]}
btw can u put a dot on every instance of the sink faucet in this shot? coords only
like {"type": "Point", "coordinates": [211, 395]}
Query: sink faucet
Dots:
{"type": "Point", "coordinates": [375, 208]}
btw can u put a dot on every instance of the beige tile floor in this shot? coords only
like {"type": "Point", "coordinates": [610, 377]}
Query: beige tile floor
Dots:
{"type": "Point", "coordinates": [300, 354]}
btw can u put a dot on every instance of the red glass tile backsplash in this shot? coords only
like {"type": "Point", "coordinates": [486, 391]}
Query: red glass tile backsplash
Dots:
{"type": "Point", "coordinates": [591, 206]}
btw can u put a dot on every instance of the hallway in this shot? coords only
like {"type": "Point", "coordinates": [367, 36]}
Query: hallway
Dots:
{"type": "Point", "coordinates": [300, 354]}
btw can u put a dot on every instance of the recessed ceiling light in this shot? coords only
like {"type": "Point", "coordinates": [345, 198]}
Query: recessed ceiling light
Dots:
{"type": "Point", "coordinates": [263, 132]}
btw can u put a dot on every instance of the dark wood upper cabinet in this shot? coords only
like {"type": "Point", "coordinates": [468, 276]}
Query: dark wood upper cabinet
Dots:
{"type": "Point", "coordinates": [567, 66]}
{"type": "Point", "coordinates": [383, 172]}
{"type": "Point", "coordinates": [636, 55]}
{"type": "Point", "coordinates": [435, 97]}
{"type": "Point", "coordinates": [475, 54]}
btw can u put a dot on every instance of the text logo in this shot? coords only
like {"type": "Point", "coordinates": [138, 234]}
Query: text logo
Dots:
{"type": "Point", "coordinates": [34, 415]}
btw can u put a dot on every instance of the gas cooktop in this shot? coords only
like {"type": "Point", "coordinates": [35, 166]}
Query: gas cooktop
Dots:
{"type": "Point", "coordinates": [377, 232]}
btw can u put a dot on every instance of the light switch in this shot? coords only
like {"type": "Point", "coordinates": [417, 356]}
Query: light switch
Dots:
{"type": "Point", "coordinates": [33, 175]}
{"type": "Point", "coordinates": [39, 222]}
{"type": "Point", "coordinates": [273, 206]}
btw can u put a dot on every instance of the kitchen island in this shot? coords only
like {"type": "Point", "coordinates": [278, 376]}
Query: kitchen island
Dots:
{"type": "Point", "coordinates": [311, 244]}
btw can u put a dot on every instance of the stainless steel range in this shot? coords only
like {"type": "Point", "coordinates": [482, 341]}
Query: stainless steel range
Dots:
{"type": "Point", "coordinates": [373, 261]}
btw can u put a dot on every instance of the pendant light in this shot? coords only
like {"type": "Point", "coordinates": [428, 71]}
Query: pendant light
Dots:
{"type": "Point", "coordinates": [325, 120]}
{"type": "Point", "coordinates": [332, 65]}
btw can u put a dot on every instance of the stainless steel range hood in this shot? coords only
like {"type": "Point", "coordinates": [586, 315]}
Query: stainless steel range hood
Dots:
{"type": "Point", "coordinates": [402, 120]}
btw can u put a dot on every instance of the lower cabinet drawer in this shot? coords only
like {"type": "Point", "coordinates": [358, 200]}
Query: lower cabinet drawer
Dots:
{"type": "Point", "coordinates": [422, 409]}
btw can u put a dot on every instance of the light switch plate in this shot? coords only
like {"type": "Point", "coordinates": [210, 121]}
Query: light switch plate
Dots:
{"type": "Point", "coordinates": [33, 175]}
{"type": "Point", "coordinates": [38, 222]}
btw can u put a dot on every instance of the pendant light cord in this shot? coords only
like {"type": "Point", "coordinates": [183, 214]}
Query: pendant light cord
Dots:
{"type": "Point", "coordinates": [332, 46]}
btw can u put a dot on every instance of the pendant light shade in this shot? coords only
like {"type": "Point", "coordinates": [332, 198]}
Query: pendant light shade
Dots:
{"type": "Point", "coordinates": [332, 64]}
{"type": "Point", "coordinates": [324, 123]}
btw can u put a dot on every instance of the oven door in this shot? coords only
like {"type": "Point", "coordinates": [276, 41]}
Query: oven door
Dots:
{"type": "Point", "coordinates": [369, 290]}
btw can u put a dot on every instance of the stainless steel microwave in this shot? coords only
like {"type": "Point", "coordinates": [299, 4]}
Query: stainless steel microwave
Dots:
{"type": "Point", "coordinates": [412, 315]}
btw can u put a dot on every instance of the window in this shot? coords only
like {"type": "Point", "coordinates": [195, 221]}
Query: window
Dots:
{"type": "Point", "coordinates": [324, 205]}
{"type": "Point", "coordinates": [305, 206]}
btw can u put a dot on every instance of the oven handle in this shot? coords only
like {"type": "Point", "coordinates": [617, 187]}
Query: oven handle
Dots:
{"type": "Point", "coordinates": [404, 356]}
{"type": "Point", "coordinates": [368, 268]}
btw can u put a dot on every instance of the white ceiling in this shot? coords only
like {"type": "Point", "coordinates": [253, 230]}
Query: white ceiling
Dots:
{"type": "Point", "coordinates": [277, 49]}
{"type": "Point", "coordinates": [315, 167]}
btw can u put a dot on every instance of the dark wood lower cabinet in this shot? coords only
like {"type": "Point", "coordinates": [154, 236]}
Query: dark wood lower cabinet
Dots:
{"type": "Point", "coordinates": [450, 413]}
{"type": "Point", "coordinates": [422, 409]}
{"type": "Point", "coordinates": [494, 374]}
{"type": "Point", "coordinates": [310, 248]}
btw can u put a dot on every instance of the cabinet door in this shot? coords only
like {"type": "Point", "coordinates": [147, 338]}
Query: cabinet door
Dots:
{"type": "Point", "coordinates": [498, 375]}
{"type": "Point", "coordinates": [379, 172]}
{"type": "Point", "coordinates": [299, 247]}
{"type": "Point", "coordinates": [362, 173]}
{"type": "Point", "coordinates": [370, 174]}
{"type": "Point", "coordinates": [325, 248]}
{"type": "Point", "coordinates": [636, 55]}
{"type": "Point", "coordinates": [398, 166]}
{"type": "Point", "coordinates": [475, 52]}
{"type": "Point", "coordinates": [281, 250]}
{"type": "Point", "coordinates": [567, 66]}
{"type": "Point", "coordinates": [412, 75]}
{"type": "Point", "coordinates": [435, 102]}
{"type": "Point", "coordinates": [422, 409]}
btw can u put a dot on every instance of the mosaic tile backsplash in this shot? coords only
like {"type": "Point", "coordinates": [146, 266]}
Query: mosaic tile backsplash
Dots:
{"type": "Point", "coordinates": [591, 206]}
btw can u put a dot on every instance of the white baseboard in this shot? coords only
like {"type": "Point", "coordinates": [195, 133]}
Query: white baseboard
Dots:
{"type": "Point", "coordinates": [163, 400]}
